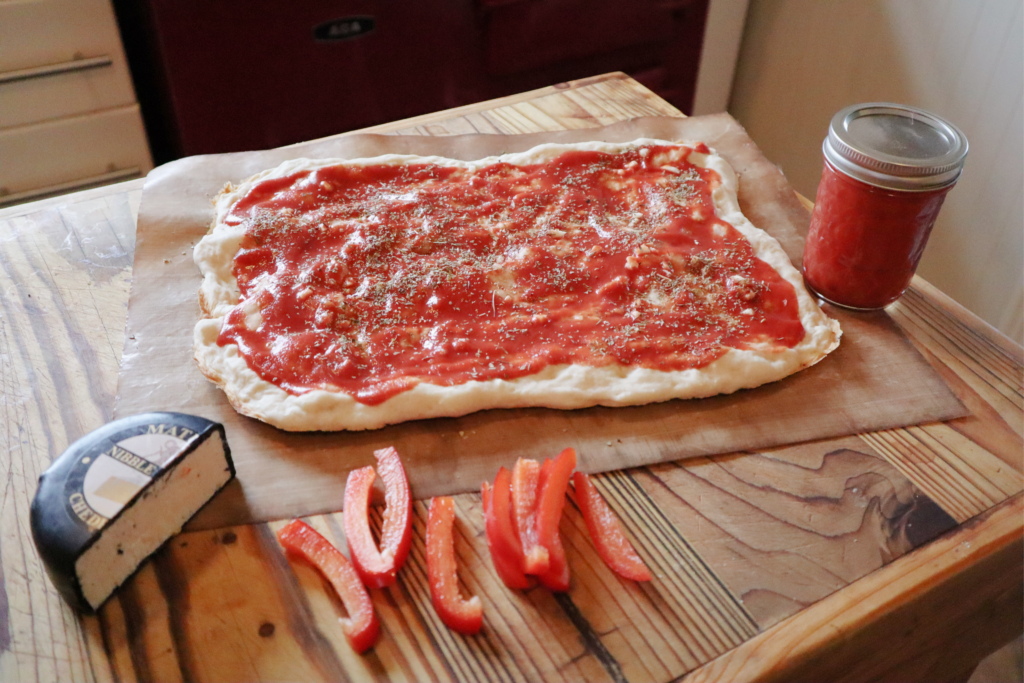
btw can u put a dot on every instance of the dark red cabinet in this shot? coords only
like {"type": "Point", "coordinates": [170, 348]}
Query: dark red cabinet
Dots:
{"type": "Point", "coordinates": [231, 75]}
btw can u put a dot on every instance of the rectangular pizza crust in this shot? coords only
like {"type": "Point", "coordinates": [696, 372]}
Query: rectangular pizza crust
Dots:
{"type": "Point", "coordinates": [561, 386]}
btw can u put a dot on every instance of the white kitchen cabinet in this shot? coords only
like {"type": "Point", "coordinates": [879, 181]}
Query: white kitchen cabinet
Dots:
{"type": "Point", "coordinates": [68, 114]}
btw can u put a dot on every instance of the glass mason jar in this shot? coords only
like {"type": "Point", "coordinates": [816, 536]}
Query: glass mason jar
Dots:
{"type": "Point", "coordinates": [887, 170]}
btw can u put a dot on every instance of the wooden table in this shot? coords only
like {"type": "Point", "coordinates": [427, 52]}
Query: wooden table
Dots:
{"type": "Point", "coordinates": [889, 555]}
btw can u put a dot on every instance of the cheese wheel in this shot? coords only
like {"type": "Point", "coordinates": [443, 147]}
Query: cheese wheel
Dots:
{"type": "Point", "coordinates": [115, 495]}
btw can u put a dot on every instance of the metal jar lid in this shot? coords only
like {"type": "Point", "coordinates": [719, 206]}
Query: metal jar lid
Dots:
{"type": "Point", "coordinates": [895, 147]}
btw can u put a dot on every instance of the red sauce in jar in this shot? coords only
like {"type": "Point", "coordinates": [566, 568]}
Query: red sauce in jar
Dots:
{"type": "Point", "coordinates": [865, 242]}
{"type": "Point", "coordinates": [370, 279]}
{"type": "Point", "coordinates": [887, 170]}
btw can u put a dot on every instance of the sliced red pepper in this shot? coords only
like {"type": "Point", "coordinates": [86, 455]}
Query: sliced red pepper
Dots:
{"type": "Point", "coordinates": [396, 532]}
{"type": "Point", "coordinates": [464, 616]}
{"type": "Point", "coordinates": [506, 550]}
{"type": "Point", "coordinates": [374, 569]}
{"type": "Point", "coordinates": [606, 532]}
{"type": "Point", "coordinates": [361, 627]}
{"type": "Point", "coordinates": [553, 482]}
{"type": "Point", "coordinates": [524, 507]}
{"type": "Point", "coordinates": [378, 566]}
{"type": "Point", "coordinates": [556, 578]}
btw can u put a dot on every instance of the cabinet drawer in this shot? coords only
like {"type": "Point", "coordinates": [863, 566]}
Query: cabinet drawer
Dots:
{"type": "Point", "coordinates": [59, 58]}
{"type": "Point", "coordinates": [80, 150]}
{"type": "Point", "coordinates": [530, 35]}
{"type": "Point", "coordinates": [60, 95]}
{"type": "Point", "coordinates": [35, 33]}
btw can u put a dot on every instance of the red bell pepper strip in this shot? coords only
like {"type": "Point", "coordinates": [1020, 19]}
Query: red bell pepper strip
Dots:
{"type": "Point", "coordinates": [376, 570]}
{"type": "Point", "coordinates": [378, 567]}
{"type": "Point", "coordinates": [464, 616]}
{"type": "Point", "coordinates": [606, 532]}
{"type": "Point", "coordinates": [506, 550]}
{"type": "Point", "coordinates": [396, 532]}
{"type": "Point", "coordinates": [556, 578]}
{"type": "Point", "coordinates": [361, 627]}
{"type": "Point", "coordinates": [553, 482]}
{"type": "Point", "coordinates": [524, 509]}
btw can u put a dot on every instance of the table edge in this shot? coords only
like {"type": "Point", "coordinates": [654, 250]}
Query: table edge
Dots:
{"type": "Point", "coordinates": [805, 640]}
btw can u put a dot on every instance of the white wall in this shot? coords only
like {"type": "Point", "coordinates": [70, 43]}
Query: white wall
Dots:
{"type": "Point", "coordinates": [803, 60]}
{"type": "Point", "coordinates": [723, 35]}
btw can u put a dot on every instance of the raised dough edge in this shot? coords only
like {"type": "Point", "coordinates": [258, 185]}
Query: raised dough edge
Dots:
{"type": "Point", "coordinates": [562, 387]}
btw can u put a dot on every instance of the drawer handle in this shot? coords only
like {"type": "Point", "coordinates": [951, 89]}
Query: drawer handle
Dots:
{"type": "Point", "coordinates": [55, 69]}
{"type": "Point", "coordinates": [120, 174]}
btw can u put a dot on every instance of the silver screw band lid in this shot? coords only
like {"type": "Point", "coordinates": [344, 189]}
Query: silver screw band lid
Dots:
{"type": "Point", "coordinates": [895, 147]}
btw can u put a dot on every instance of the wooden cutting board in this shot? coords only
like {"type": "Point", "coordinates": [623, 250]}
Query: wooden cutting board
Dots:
{"type": "Point", "coordinates": [875, 380]}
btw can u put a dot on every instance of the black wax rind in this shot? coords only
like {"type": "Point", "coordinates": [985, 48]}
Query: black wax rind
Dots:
{"type": "Point", "coordinates": [63, 523]}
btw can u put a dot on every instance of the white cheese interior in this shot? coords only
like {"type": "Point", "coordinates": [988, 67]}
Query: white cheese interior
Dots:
{"type": "Point", "coordinates": [155, 515]}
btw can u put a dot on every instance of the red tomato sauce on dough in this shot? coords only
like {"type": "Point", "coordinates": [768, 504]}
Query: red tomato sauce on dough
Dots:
{"type": "Point", "coordinates": [371, 279]}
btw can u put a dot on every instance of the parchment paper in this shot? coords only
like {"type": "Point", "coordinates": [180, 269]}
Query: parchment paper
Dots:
{"type": "Point", "coordinates": [875, 380]}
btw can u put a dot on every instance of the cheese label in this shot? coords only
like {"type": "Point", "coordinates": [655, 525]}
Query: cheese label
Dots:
{"type": "Point", "coordinates": [104, 478]}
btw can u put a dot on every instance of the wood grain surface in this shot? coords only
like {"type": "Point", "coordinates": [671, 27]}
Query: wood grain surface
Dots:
{"type": "Point", "coordinates": [867, 557]}
{"type": "Point", "coordinates": [874, 380]}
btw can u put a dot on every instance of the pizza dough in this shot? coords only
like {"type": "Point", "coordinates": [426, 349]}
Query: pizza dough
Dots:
{"type": "Point", "coordinates": [670, 171]}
